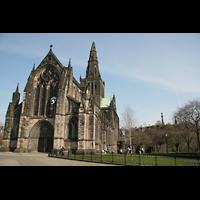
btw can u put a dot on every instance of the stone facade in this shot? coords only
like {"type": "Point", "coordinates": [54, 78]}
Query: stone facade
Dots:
{"type": "Point", "coordinates": [81, 120]}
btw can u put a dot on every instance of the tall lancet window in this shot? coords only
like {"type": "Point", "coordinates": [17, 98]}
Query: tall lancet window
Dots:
{"type": "Point", "coordinates": [42, 99]}
{"type": "Point", "coordinates": [37, 94]}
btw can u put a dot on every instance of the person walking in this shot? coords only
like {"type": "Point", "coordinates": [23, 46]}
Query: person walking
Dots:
{"type": "Point", "coordinates": [142, 150]}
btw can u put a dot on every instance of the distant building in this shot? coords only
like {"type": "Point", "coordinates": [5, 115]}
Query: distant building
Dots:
{"type": "Point", "coordinates": [85, 120]}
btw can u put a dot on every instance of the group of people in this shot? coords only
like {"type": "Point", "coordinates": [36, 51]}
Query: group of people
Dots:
{"type": "Point", "coordinates": [141, 150]}
{"type": "Point", "coordinates": [61, 149]}
{"type": "Point", "coordinates": [106, 150]}
{"type": "Point", "coordinates": [128, 150]}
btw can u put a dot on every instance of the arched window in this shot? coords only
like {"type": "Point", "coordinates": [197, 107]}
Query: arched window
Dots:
{"type": "Point", "coordinates": [42, 99]}
{"type": "Point", "coordinates": [73, 128]}
{"type": "Point", "coordinates": [46, 88]}
{"type": "Point", "coordinates": [37, 94]}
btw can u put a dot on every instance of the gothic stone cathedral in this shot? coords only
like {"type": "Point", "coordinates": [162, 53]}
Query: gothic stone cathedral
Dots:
{"type": "Point", "coordinates": [81, 119]}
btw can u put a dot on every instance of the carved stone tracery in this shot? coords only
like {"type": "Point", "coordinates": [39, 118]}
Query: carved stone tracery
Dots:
{"type": "Point", "coordinates": [46, 88]}
{"type": "Point", "coordinates": [49, 74]}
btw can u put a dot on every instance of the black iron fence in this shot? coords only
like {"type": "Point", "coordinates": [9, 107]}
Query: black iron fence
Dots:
{"type": "Point", "coordinates": [128, 159]}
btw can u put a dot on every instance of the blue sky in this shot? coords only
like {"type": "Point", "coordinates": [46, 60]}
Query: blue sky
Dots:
{"type": "Point", "coordinates": [152, 72]}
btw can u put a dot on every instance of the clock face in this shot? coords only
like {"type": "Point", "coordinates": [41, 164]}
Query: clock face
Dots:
{"type": "Point", "coordinates": [53, 100]}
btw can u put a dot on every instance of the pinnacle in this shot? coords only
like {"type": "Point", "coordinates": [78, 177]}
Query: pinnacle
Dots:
{"type": "Point", "coordinates": [93, 46]}
{"type": "Point", "coordinates": [17, 89]}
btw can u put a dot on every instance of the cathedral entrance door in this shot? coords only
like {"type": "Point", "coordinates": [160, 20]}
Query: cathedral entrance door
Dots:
{"type": "Point", "coordinates": [41, 137]}
{"type": "Point", "coordinates": [41, 145]}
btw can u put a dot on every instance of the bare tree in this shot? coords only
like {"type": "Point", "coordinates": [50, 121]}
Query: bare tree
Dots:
{"type": "Point", "coordinates": [175, 135]}
{"type": "Point", "coordinates": [140, 138]}
{"type": "Point", "coordinates": [157, 137]}
{"type": "Point", "coordinates": [190, 116]}
{"type": "Point", "coordinates": [188, 136]}
{"type": "Point", "coordinates": [128, 119]}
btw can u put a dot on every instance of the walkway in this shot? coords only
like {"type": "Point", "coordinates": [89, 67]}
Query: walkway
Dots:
{"type": "Point", "coordinates": [40, 159]}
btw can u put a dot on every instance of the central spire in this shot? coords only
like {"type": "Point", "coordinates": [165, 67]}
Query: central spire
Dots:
{"type": "Point", "coordinates": [93, 65]}
{"type": "Point", "coordinates": [93, 53]}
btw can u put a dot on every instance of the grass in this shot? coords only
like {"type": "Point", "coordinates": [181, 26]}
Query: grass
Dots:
{"type": "Point", "coordinates": [134, 160]}
{"type": "Point", "coordinates": [181, 152]}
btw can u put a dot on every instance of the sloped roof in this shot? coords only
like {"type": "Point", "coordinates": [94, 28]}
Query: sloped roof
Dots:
{"type": "Point", "coordinates": [105, 102]}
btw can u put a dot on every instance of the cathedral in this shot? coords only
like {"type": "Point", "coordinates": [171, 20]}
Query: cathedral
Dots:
{"type": "Point", "coordinates": [57, 110]}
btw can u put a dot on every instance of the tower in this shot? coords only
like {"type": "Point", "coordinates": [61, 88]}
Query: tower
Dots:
{"type": "Point", "coordinates": [12, 122]}
{"type": "Point", "coordinates": [162, 118]}
{"type": "Point", "coordinates": [93, 76]}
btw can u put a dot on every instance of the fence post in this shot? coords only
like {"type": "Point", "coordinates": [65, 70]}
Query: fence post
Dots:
{"type": "Point", "coordinates": [91, 155]}
{"type": "Point", "coordinates": [175, 158]}
{"type": "Point", "coordinates": [125, 158]}
{"type": "Point", "coordinates": [112, 156]}
{"type": "Point", "coordinates": [156, 159]}
{"type": "Point", "coordinates": [82, 155]}
{"type": "Point", "coordinates": [101, 155]}
{"type": "Point", "coordinates": [139, 158]}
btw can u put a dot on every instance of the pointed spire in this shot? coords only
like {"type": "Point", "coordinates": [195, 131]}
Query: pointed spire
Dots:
{"type": "Point", "coordinates": [93, 68]}
{"type": "Point", "coordinates": [33, 67]}
{"type": "Point", "coordinates": [17, 89]}
{"type": "Point", "coordinates": [16, 96]}
{"type": "Point", "coordinates": [93, 53]}
{"type": "Point", "coordinates": [69, 64]}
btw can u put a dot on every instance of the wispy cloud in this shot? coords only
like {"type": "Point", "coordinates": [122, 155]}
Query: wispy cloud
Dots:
{"type": "Point", "coordinates": [172, 79]}
{"type": "Point", "coordinates": [162, 60]}
{"type": "Point", "coordinates": [171, 67]}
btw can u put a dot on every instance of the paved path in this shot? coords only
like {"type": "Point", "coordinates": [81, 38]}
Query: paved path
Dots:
{"type": "Point", "coordinates": [40, 159]}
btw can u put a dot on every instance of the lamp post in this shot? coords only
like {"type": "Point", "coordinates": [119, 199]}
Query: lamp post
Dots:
{"type": "Point", "coordinates": [166, 142]}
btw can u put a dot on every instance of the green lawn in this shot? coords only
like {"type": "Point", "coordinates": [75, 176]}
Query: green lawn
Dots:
{"type": "Point", "coordinates": [144, 160]}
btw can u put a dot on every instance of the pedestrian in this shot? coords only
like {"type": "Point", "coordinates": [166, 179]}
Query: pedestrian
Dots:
{"type": "Point", "coordinates": [105, 150]}
{"type": "Point", "coordinates": [142, 150]}
{"type": "Point", "coordinates": [108, 150]}
{"type": "Point", "coordinates": [62, 150]}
